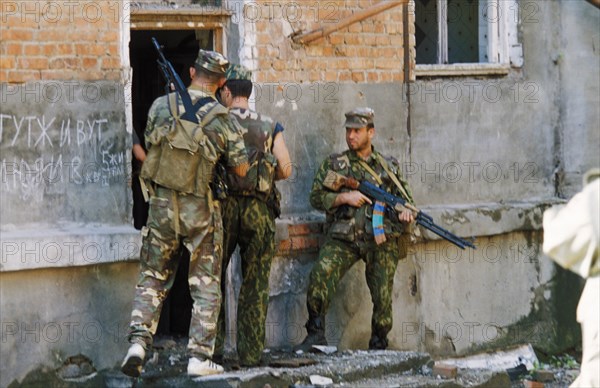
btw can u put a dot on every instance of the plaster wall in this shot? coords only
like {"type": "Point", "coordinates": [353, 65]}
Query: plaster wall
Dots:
{"type": "Point", "coordinates": [483, 155]}
{"type": "Point", "coordinates": [484, 163]}
{"type": "Point", "coordinates": [49, 315]}
{"type": "Point", "coordinates": [578, 57]}
{"type": "Point", "coordinates": [65, 218]}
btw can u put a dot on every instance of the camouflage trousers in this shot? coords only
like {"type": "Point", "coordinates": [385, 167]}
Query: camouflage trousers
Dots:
{"type": "Point", "coordinates": [249, 223]}
{"type": "Point", "coordinates": [199, 225]}
{"type": "Point", "coordinates": [336, 257]}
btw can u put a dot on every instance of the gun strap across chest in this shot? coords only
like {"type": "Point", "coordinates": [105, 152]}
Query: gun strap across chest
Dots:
{"type": "Point", "coordinates": [174, 106]}
{"type": "Point", "coordinates": [392, 176]}
{"type": "Point", "coordinates": [376, 176]}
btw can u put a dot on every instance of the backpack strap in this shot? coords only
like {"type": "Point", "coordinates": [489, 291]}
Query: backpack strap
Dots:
{"type": "Point", "coordinates": [174, 106]}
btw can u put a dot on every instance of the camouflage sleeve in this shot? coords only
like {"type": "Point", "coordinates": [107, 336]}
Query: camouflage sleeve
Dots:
{"type": "Point", "coordinates": [150, 125]}
{"type": "Point", "coordinates": [227, 135]}
{"type": "Point", "coordinates": [322, 198]}
{"type": "Point", "coordinates": [158, 117]}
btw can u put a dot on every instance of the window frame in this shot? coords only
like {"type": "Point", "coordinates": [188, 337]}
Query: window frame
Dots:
{"type": "Point", "coordinates": [503, 50]}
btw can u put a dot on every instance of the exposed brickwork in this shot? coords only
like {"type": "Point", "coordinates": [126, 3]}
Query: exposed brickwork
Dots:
{"type": "Point", "coordinates": [60, 40]}
{"type": "Point", "coordinates": [368, 51]}
{"type": "Point", "coordinates": [532, 384]}
{"type": "Point", "coordinates": [301, 238]}
{"type": "Point", "coordinates": [445, 370]}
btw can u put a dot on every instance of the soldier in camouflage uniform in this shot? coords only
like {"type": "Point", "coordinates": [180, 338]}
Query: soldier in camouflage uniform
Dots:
{"type": "Point", "coordinates": [180, 163]}
{"type": "Point", "coordinates": [249, 213]}
{"type": "Point", "coordinates": [350, 234]}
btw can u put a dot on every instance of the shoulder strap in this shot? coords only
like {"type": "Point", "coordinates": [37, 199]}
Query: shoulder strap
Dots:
{"type": "Point", "coordinates": [370, 171]}
{"type": "Point", "coordinates": [174, 106]}
{"type": "Point", "coordinates": [201, 102]}
{"type": "Point", "coordinates": [392, 176]}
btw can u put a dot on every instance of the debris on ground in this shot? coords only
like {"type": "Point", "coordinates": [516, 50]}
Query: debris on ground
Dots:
{"type": "Point", "coordinates": [167, 366]}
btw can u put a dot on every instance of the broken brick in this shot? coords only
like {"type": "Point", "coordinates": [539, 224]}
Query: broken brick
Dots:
{"type": "Point", "coordinates": [544, 376]}
{"type": "Point", "coordinates": [445, 370]}
{"type": "Point", "coordinates": [532, 384]}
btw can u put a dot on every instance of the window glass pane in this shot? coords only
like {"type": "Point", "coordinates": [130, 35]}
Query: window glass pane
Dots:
{"type": "Point", "coordinates": [483, 31]}
{"type": "Point", "coordinates": [426, 31]}
{"type": "Point", "coordinates": [463, 31]}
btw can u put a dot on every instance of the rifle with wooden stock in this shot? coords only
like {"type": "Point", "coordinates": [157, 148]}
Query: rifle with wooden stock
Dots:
{"type": "Point", "coordinates": [335, 181]}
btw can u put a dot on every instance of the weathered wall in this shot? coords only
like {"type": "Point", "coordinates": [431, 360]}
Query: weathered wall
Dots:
{"type": "Point", "coordinates": [65, 153]}
{"type": "Point", "coordinates": [369, 51]}
{"type": "Point", "coordinates": [49, 315]}
{"type": "Point", "coordinates": [480, 154]}
{"type": "Point", "coordinates": [64, 185]}
{"type": "Point", "coordinates": [578, 56]}
{"type": "Point", "coordinates": [485, 163]}
{"type": "Point", "coordinates": [61, 40]}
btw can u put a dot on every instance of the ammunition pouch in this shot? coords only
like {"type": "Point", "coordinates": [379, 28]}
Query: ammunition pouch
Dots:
{"type": "Point", "coordinates": [343, 230]}
{"type": "Point", "coordinates": [266, 173]}
{"type": "Point", "coordinates": [259, 180]}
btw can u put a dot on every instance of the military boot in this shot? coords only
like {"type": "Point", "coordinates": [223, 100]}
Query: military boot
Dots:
{"type": "Point", "coordinates": [378, 343]}
{"type": "Point", "coordinates": [134, 360]}
{"type": "Point", "coordinates": [316, 334]}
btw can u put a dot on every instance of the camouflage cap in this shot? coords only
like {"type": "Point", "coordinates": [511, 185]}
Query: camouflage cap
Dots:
{"type": "Point", "coordinates": [359, 117]}
{"type": "Point", "coordinates": [238, 72]}
{"type": "Point", "coordinates": [212, 61]}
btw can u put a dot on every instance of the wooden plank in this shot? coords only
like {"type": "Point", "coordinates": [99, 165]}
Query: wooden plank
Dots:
{"type": "Point", "coordinates": [308, 37]}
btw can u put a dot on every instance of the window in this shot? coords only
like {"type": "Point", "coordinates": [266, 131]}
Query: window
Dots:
{"type": "Point", "coordinates": [470, 36]}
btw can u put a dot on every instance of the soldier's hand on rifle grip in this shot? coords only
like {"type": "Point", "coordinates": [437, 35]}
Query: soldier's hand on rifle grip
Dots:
{"type": "Point", "coordinates": [353, 198]}
{"type": "Point", "coordinates": [406, 216]}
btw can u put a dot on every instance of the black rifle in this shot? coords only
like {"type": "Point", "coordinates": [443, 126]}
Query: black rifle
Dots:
{"type": "Point", "coordinates": [334, 181]}
{"type": "Point", "coordinates": [173, 78]}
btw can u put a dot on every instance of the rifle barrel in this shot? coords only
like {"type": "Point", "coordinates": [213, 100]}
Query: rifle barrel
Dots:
{"type": "Point", "coordinates": [423, 219]}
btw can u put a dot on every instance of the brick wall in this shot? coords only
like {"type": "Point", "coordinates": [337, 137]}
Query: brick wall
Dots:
{"type": "Point", "coordinates": [60, 40]}
{"type": "Point", "coordinates": [369, 51]}
{"type": "Point", "coordinates": [301, 237]}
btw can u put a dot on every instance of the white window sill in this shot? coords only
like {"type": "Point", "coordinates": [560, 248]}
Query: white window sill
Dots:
{"type": "Point", "coordinates": [462, 70]}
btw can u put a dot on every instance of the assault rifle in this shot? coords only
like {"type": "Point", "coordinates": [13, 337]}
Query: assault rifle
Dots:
{"type": "Point", "coordinates": [335, 181]}
{"type": "Point", "coordinates": [172, 78]}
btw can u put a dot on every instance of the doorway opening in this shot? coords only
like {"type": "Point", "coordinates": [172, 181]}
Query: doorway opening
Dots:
{"type": "Point", "coordinates": [180, 48]}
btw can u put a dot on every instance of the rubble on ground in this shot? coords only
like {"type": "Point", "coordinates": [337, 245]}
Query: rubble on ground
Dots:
{"type": "Point", "coordinates": [166, 366]}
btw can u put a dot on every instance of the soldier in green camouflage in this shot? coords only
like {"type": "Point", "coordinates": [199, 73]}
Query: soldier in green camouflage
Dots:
{"type": "Point", "coordinates": [351, 237]}
{"type": "Point", "coordinates": [249, 213]}
{"type": "Point", "coordinates": [180, 163]}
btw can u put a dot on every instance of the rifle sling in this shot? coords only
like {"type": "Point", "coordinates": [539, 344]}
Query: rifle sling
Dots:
{"type": "Point", "coordinates": [193, 108]}
{"type": "Point", "coordinates": [392, 176]}
{"type": "Point", "coordinates": [371, 171]}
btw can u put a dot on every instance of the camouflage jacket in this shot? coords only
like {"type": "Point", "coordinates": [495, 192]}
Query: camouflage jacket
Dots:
{"type": "Point", "coordinates": [221, 140]}
{"type": "Point", "coordinates": [346, 222]}
{"type": "Point", "coordinates": [260, 131]}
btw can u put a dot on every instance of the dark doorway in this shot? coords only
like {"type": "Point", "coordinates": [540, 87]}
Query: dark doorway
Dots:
{"type": "Point", "coordinates": [181, 48]}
